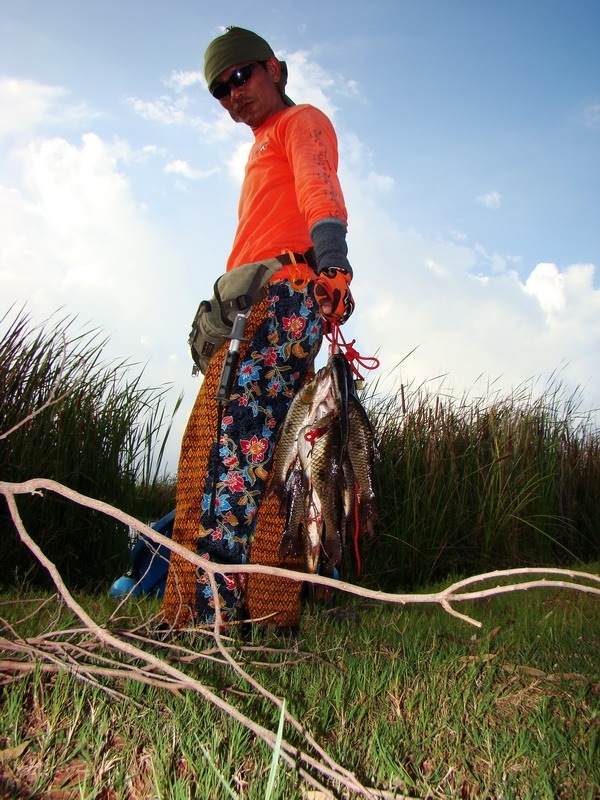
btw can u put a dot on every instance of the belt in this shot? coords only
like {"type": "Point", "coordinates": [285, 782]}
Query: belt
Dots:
{"type": "Point", "coordinates": [298, 258]}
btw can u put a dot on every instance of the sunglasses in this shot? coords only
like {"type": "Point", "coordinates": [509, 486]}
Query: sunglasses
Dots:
{"type": "Point", "coordinates": [237, 78]}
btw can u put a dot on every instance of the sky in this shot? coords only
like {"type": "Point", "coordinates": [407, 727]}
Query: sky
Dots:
{"type": "Point", "coordinates": [469, 135]}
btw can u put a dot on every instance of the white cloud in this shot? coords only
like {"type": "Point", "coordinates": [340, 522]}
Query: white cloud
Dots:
{"type": "Point", "coordinates": [236, 164]}
{"type": "Point", "coordinates": [351, 88]}
{"type": "Point", "coordinates": [74, 238]}
{"type": "Point", "coordinates": [26, 105]}
{"type": "Point", "coordinates": [567, 297]}
{"type": "Point", "coordinates": [183, 80]}
{"type": "Point", "coordinates": [125, 154]}
{"type": "Point", "coordinates": [490, 199]}
{"type": "Point", "coordinates": [428, 296]}
{"type": "Point", "coordinates": [73, 235]}
{"type": "Point", "coordinates": [490, 262]}
{"type": "Point", "coordinates": [355, 154]}
{"type": "Point", "coordinates": [308, 82]}
{"type": "Point", "coordinates": [547, 285]}
{"type": "Point", "coordinates": [181, 167]}
{"type": "Point", "coordinates": [164, 110]}
{"type": "Point", "coordinates": [179, 111]}
{"type": "Point", "coordinates": [381, 184]}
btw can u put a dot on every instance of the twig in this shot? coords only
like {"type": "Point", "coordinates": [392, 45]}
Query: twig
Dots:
{"type": "Point", "coordinates": [351, 780]}
{"type": "Point", "coordinates": [443, 598]}
{"type": "Point", "coordinates": [168, 676]}
{"type": "Point", "coordinates": [292, 755]}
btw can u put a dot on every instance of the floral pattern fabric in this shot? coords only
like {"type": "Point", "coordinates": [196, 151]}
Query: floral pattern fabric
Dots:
{"type": "Point", "coordinates": [275, 366]}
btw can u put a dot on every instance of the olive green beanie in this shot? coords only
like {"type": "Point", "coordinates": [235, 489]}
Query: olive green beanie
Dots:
{"type": "Point", "coordinates": [236, 46]}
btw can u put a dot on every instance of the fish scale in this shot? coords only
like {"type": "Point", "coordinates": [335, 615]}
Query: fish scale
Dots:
{"type": "Point", "coordinates": [302, 411]}
{"type": "Point", "coordinates": [323, 470]}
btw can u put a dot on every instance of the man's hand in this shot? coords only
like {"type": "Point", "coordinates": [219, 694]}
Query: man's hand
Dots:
{"type": "Point", "coordinates": [332, 293]}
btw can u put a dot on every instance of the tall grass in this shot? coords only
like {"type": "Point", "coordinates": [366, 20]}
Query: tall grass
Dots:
{"type": "Point", "coordinates": [491, 482]}
{"type": "Point", "coordinates": [463, 485]}
{"type": "Point", "coordinates": [98, 435]}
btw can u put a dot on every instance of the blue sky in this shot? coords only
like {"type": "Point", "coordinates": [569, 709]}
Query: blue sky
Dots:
{"type": "Point", "coordinates": [469, 141]}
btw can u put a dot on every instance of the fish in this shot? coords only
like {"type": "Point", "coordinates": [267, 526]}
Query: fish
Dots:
{"type": "Point", "coordinates": [348, 500]}
{"type": "Point", "coordinates": [362, 452]}
{"type": "Point", "coordinates": [325, 479]}
{"type": "Point", "coordinates": [312, 530]}
{"type": "Point", "coordinates": [323, 472]}
{"type": "Point", "coordinates": [290, 545]}
{"type": "Point", "coordinates": [303, 408]}
{"type": "Point", "coordinates": [342, 389]}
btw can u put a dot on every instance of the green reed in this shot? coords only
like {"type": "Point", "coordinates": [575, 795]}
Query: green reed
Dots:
{"type": "Point", "coordinates": [98, 435]}
{"type": "Point", "coordinates": [463, 484]}
{"type": "Point", "coordinates": [481, 483]}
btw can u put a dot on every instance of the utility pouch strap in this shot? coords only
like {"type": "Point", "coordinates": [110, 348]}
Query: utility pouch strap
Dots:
{"type": "Point", "coordinates": [234, 292]}
{"type": "Point", "coordinates": [233, 306]}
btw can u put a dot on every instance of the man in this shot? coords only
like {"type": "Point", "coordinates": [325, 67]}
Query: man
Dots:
{"type": "Point", "coordinates": [291, 209]}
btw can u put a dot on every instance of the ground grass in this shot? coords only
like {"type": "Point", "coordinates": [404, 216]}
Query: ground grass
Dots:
{"type": "Point", "coordinates": [412, 700]}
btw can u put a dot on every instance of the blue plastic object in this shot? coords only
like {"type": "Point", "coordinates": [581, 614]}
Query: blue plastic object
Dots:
{"type": "Point", "coordinates": [149, 564]}
{"type": "Point", "coordinates": [124, 586]}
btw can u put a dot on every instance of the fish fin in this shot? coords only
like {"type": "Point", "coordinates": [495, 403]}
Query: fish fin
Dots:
{"type": "Point", "coordinates": [368, 516]}
{"type": "Point", "coordinates": [290, 546]}
{"type": "Point", "coordinates": [332, 548]}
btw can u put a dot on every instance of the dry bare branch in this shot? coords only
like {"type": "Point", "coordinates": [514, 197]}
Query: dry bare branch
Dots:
{"type": "Point", "coordinates": [444, 598]}
{"type": "Point", "coordinates": [307, 766]}
{"type": "Point", "coordinates": [315, 766]}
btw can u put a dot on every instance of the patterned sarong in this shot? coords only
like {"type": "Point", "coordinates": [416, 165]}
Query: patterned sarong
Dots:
{"type": "Point", "coordinates": [220, 485]}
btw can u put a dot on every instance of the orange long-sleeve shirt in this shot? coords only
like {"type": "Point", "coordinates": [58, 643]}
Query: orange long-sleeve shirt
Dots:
{"type": "Point", "coordinates": [290, 184]}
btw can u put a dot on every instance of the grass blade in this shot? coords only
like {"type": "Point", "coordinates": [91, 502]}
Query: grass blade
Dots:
{"type": "Point", "coordinates": [218, 773]}
{"type": "Point", "coordinates": [275, 759]}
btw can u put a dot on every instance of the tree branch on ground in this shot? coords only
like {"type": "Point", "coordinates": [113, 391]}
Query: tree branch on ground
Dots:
{"type": "Point", "coordinates": [313, 764]}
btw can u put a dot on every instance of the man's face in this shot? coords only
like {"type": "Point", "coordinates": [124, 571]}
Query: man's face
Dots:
{"type": "Point", "coordinates": [258, 98]}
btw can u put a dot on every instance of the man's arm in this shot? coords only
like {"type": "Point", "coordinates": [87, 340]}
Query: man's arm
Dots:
{"type": "Point", "coordinates": [332, 288]}
{"type": "Point", "coordinates": [329, 240]}
{"type": "Point", "coordinates": [311, 146]}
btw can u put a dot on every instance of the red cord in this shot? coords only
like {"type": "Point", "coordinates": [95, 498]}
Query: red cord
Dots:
{"type": "Point", "coordinates": [353, 357]}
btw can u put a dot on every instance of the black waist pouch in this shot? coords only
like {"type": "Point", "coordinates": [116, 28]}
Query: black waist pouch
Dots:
{"type": "Point", "coordinates": [234, 292]}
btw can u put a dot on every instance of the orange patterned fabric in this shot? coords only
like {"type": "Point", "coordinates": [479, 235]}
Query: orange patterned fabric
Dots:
{"type": "Point", "coordinates": [180, 592]}
{"type": "Point", "coordinates": [269, 596]}
{"type": "Point", "coordinates": [265, 595]}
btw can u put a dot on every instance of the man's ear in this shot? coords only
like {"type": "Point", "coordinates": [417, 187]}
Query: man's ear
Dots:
{"type": "Point", "coordinates": [274, 68]}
